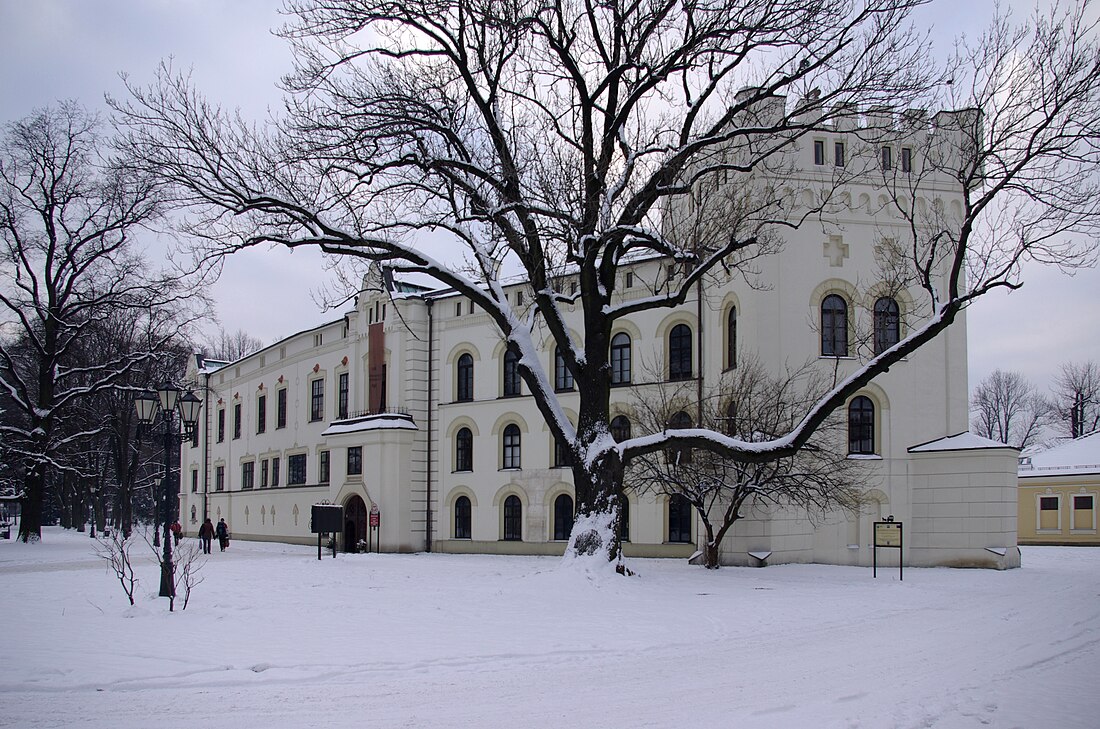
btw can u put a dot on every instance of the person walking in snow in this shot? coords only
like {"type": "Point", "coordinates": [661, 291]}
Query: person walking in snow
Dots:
{"type": "Point", "coordinates": [177, 532]}
{"type": "Point", "coordinates": [206, 535]}
{"type": "Point", "coordinates": [222, 531]}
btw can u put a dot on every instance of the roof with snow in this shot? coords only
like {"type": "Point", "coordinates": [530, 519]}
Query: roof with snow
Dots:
{"type": "Point", "coordinates": [958, 442]}
{"type": "Point", "coordinates": [380, 421]}
{"type": "Point", "coordinates": [1072, 458]}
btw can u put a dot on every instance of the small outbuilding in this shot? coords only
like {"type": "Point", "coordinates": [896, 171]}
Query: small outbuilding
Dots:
{"type": "Point", "coordinates": [1058, 492]}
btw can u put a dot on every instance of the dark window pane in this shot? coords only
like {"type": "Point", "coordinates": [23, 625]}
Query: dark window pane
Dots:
{"type": "Point", "coordinates": [511, 374]}
{"type": "Point", "coordinates": [861, 426]}
{"type": "Point", "coordinates": [620, 428]}
{"type": "Point", "coordinates": [464, 450]}
{"type": "Point", "coordinates": [317, 400]}
{"type": "Point", "coordinates": [355, 460]}
{"type": "Point", "coordinates": [887, 324]}
{"type": "Point", "coordinates": [620, 359]}
{"type": "Point", "coordinates": [1048, 503]}
{"type": "Point", "coordinates": [1082, 503]}
{"type": "Point", "coordinates": [465, 377]}
{"type": "Point", "coordinates": [462, 518]}
{"type": "Point", "coordinates": [280, 415]}
{"type": "Point", "coordinates": [563, 517]}
{"type": "Point", "coordinates": [679, 520]}
{"type": "Point", "coordinates": [513, 519]}
{"type": "Point", "coordinates": [679, 353]}
{"type": "Point", "coordinates": [834, 326]}
{"type": "Point", "coordinates": [731, 338]}
{"type": "Point", "coordinates": [511, 447]}
{"type": "Point", "coordinates": [563, 378]}
{"type": "Point", "coordinates": [342, 396]}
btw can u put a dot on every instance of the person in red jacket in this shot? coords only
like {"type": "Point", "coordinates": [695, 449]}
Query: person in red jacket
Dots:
{"type": "Point", "coordinates": [177, 532]}
{"type": "Point", "coordinates": [206, 535]}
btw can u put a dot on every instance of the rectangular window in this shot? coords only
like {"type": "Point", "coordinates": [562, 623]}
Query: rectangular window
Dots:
{"type": "Point", "coordinates": [322, 469]}
{"type": "Point", "coordinates": [887, 158]}
{"type": "Point", "coordinates": [1083, 515]}
{"type": "Point", "coordinates": [317, 339]}
{"type": "Point", "coordinates": [342, 396]}
{"type": "Point", "coordinates": [1050, 513]}
{"type": "Point", "coordinates": [906, 159]}
{"type": "Point", "coordinates": [275, 471]}
{"type": "Point", "coordinates": [261, 413]}
{"type": "Point", "coordinates": [248, 475]}
{"type": "Point", "coordinates": [316, 400]}
{"type": "Point", "coordinates": [458, 309]}
{"type": "Point", "coordinates": [563, 457]}
{"type": "Point", "coordinates": [296, 469]}
{"type": "Point", "coordinates": [519, 298]}
{"type": "Point", "coordinates": [221, 424]}
{"type": "Point", "coordinates": [355, 460]}
{"type": "Point", "coordinates": [194, 482]}
{"type": "Point", "coordinates": [470, 307]}
{"type": "Point", "coordinates": [263, 474]}
{"type": "Point", "coordinates": [838, 154]}
{"type": "Point", "coordinates": [280, 409]}
{"type": "Point", "coordinates": [219, 478]}
{"type": "Point", "coordinates": [819, 152]}
{"type": "Point", "coordinates": [630, 279]}
{"type": "Point", "coordinates": [236, 421]}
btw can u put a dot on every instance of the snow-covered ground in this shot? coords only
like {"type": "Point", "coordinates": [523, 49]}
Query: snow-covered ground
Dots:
{"type": "Point", "coordinates": [275, 638]}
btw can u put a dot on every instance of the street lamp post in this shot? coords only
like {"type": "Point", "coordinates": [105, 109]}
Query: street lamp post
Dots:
{"type": "Point", "coordinates": [168, 400]}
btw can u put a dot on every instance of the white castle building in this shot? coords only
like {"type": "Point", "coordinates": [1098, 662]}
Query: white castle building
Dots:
{"type": "Point", "coordinates": [410, 404]}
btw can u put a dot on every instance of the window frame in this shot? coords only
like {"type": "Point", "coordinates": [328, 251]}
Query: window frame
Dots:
{"type": "Point", "coordinates": [512, 509]}
{"type": "Point", "coordinates": [513, 383]}
{"type": "Point", "coordinates": [354, 460]}
{"type": "Point", "coordinates": [819, 152]}
{"type": "Point", "coordinates": [219, 478]}
{"type": "Point", "coordinates": [731, 338]}
{"type": "Point", "coordinates": [621, 356]}
{"type": "Point", "coordinates": [681, 346]}
{"type": "Point", "coordinates": [316, 399]}
{"type": "Point", "coordinates": [221, 425]}
{"type": "Point", "coordinates": [563, 521]}
{"type": "Point", "coordinates": [677, 533]}
{"type": "Point", "coordinates": [887, 318]}
{"type": "Point", "coordinates": [261, 414]}
{"type": "Point", "coordinates": [511, 447]}
{"type": "Point", "coordinates": [324, 467]}
{"type": "Point", "coordinates": [342, 392]}
{"type": "Point", "coordinates": [464, 450]}
{"type": "Point", "coordinates": [296, 469]}
{"type": "Point", "coordinates": [563, 377]}
{"type": "Point", "coordinates": [464, 378]}
{"type": "Point", "coordinates": [861, 426]}
{"type": "Point", "coordinates": [834, 326]}
{"type": "Point", "coordinates": [237, 419]}
{"type": "Point", "coordinates": [463, 518]}
{"type": "Point", "coordinates": [839, 154]}
{"type": "Point", "coordinates": [248, 475]}
{"type": "Point", "coordinates": [275, 471]}
{"type": "Point", "coordinates": [280, 408]}
{"type": "Point", "coordinates": [616, 424]}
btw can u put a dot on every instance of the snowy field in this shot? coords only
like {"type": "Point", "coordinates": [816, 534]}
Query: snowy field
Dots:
{"type": "Point", "coordinates": [274, 638]}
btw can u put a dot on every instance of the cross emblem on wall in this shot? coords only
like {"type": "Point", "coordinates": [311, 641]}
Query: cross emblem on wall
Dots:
{"type": "Point", "coordinates": [835, 250]}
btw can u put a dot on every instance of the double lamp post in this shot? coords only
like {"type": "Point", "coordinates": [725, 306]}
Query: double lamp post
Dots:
{"type": "Point", "coordinates": [167, 400]}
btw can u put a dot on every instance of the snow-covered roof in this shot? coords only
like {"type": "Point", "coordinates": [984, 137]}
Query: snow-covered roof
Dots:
{"type": "Point", "coordinates": [958, 442]}
{"type": "Point", "coordinates": [381, 421]}
{"type": "Point", "coordinates": [1074, 457]}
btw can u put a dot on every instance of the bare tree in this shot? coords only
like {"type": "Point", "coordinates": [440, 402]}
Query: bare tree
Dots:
{"type": "Point", "coordinates": [753, 406]}
{"type": "Point", "coordinates": [552, 138]}
{"type": "Point", "coordinates": [231, 346]}
{"type": "Point", "coordinates": [115, 550]}
{"type": "Point", "coordinates": [1009, 409]}
{"type": "Point", "coordinates": [68, 218]}
{"type": "Point", "coordinates": [1077, 390]}
{"type": "Point", "coordinates": [188, 564]}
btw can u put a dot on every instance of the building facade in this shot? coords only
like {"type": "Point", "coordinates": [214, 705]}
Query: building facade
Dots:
{"type": "Point", "coordinates": [1058, 493]}
{"type": "Point", "coordinates": [410, 404]}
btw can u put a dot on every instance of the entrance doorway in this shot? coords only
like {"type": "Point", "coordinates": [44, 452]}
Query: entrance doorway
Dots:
{"type": "Point", "coordinates": [355, 523]}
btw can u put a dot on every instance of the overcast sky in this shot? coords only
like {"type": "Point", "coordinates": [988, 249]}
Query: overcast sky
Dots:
{"type": "Point", "coordinates": [75, 49]}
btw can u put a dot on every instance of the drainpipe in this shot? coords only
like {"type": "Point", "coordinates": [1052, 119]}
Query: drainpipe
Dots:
{"type": "Point", "coordinates": [699, 381]}
{"type": "Point", "coordinates": [206, 445]}
{"type": "Point", "coordinates": [428, 501]}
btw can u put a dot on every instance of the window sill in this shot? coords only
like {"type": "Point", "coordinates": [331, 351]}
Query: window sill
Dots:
{"type": "Point", "coordinates": [1082, 531]}
{"type": "Point", "coordinates": [864, 457]}
{"type": "Point", "coordinates": [511, 468]}
{"type": "Point", "coordinates": [464, 470]}
{"type": "Point", "coordinates": [1048, 531]}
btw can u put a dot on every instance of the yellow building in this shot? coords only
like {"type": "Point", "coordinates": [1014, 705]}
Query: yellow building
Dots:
{"type": "Point", "coordinates": [1058, 493]}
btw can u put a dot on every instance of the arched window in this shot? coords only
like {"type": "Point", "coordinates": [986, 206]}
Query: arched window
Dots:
{"type": "Point", "coordinates": [620, 428]}
{"type": "Point", "coordinates": [511, 373]}
{"type": "Point", "coordinates": [563, 378]}
{"type": "Point", "coordinates": [620, 359]}
{"type": "Point", "coordinates": [464, 450]}
{"type": "Point", "coordinates": [464, 377]}
{"type": "Point", "coordinates": [513, 519]}
{"type": "Point", "coordinates": [679, 353]}
{"type": "Point", "coordinates": [834, 326]}
{"type": "Point", "coordinates": [511, 446]}
{"type": "Point", "coordinates": [861, 425]}
{"type": "Point", "coordinates": [462, 517]}
{"type": "Point", "coordinates": [679, 520]}
{"type": "Point", "coordinates": [731, 338]}
{"type": "Point", "coordinates": [624, 519]}
{"type": "Point", "coordinates": [563, 517]}
{"type": "Point", "coordinates": [678, 454]}
{"type": "Point", "coordinates": [563, 455]}
{"type": "Point", "coordinates": [887, 324]}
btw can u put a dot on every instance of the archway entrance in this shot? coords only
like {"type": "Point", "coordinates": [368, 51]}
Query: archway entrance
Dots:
{"type": "Point", "coordinates": [355, 523]}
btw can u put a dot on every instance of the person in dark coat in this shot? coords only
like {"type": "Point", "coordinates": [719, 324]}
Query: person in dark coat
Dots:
{"type": "Point", "coordinates": [222, 530]}
{"type": "Point", "coordinates": [206, 535]}
{"type": "Point", "coordinates": [177, 532]}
